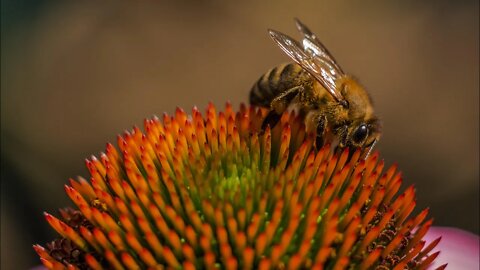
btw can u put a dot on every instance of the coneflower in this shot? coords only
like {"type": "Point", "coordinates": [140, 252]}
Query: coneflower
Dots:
{"type": "Point", "coordinates": [215, 191]}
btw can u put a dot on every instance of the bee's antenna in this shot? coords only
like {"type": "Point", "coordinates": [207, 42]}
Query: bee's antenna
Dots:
{"type": "Point", "coordinates": [371, 148]}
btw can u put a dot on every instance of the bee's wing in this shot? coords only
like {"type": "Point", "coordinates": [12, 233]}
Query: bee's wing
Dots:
{"type": "Point", "coordinates": [311, 42]}
{"type": "Point", "coordinates": [319, 66]}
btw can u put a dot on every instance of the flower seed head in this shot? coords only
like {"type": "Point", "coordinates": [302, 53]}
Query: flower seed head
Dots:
{"type": "Point", "coordinates": [215, 191]}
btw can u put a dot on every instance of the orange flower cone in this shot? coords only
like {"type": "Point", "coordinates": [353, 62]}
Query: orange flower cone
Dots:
{"type": "Point", "coordinates": [213, 191]}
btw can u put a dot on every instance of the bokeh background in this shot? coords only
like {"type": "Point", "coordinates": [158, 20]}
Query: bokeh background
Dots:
{"type": "Point", "coordinates": [75, 74]}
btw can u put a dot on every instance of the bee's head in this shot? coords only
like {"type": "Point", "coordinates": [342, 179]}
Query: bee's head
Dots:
{"type": "Point", "coordinates": [363, 127]}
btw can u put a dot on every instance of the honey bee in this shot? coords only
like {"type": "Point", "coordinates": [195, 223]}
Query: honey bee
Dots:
{"type": "Point", "coordinates": [333, 104]}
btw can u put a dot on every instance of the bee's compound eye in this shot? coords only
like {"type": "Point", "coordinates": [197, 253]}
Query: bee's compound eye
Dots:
{"type": "Point", "coordinates": [360, 134]}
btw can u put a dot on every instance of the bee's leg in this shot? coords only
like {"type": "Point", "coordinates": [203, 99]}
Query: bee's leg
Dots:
{"type": "Point", "coordinates": [271, 119]}
{"type": "Point", "coordinates": [342, 132]}
{"type": "Point", "coordinates": [319, 140]}
{"type": "Point", "coordinates": [279, 104]}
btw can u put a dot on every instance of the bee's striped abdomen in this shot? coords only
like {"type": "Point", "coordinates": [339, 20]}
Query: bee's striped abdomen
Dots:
{"type": "Point", "coordinates": [276, 81]}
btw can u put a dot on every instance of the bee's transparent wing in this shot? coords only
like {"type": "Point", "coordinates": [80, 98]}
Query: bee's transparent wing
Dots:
{"type": "Point", "coordinates": [320, 67]}
{"type": "Point", "coordinates": [311, 42]}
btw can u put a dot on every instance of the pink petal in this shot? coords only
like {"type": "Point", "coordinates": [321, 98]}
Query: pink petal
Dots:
{"type": "Point", "coordinates": [458, 248]}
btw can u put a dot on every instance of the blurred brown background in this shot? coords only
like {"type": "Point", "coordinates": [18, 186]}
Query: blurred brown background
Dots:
{"type": "Point", "coordinates": [75, 74]}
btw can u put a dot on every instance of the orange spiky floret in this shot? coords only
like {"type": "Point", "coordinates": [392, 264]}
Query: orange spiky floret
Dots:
{"type": "Point", "coordinates": [200, 192]}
